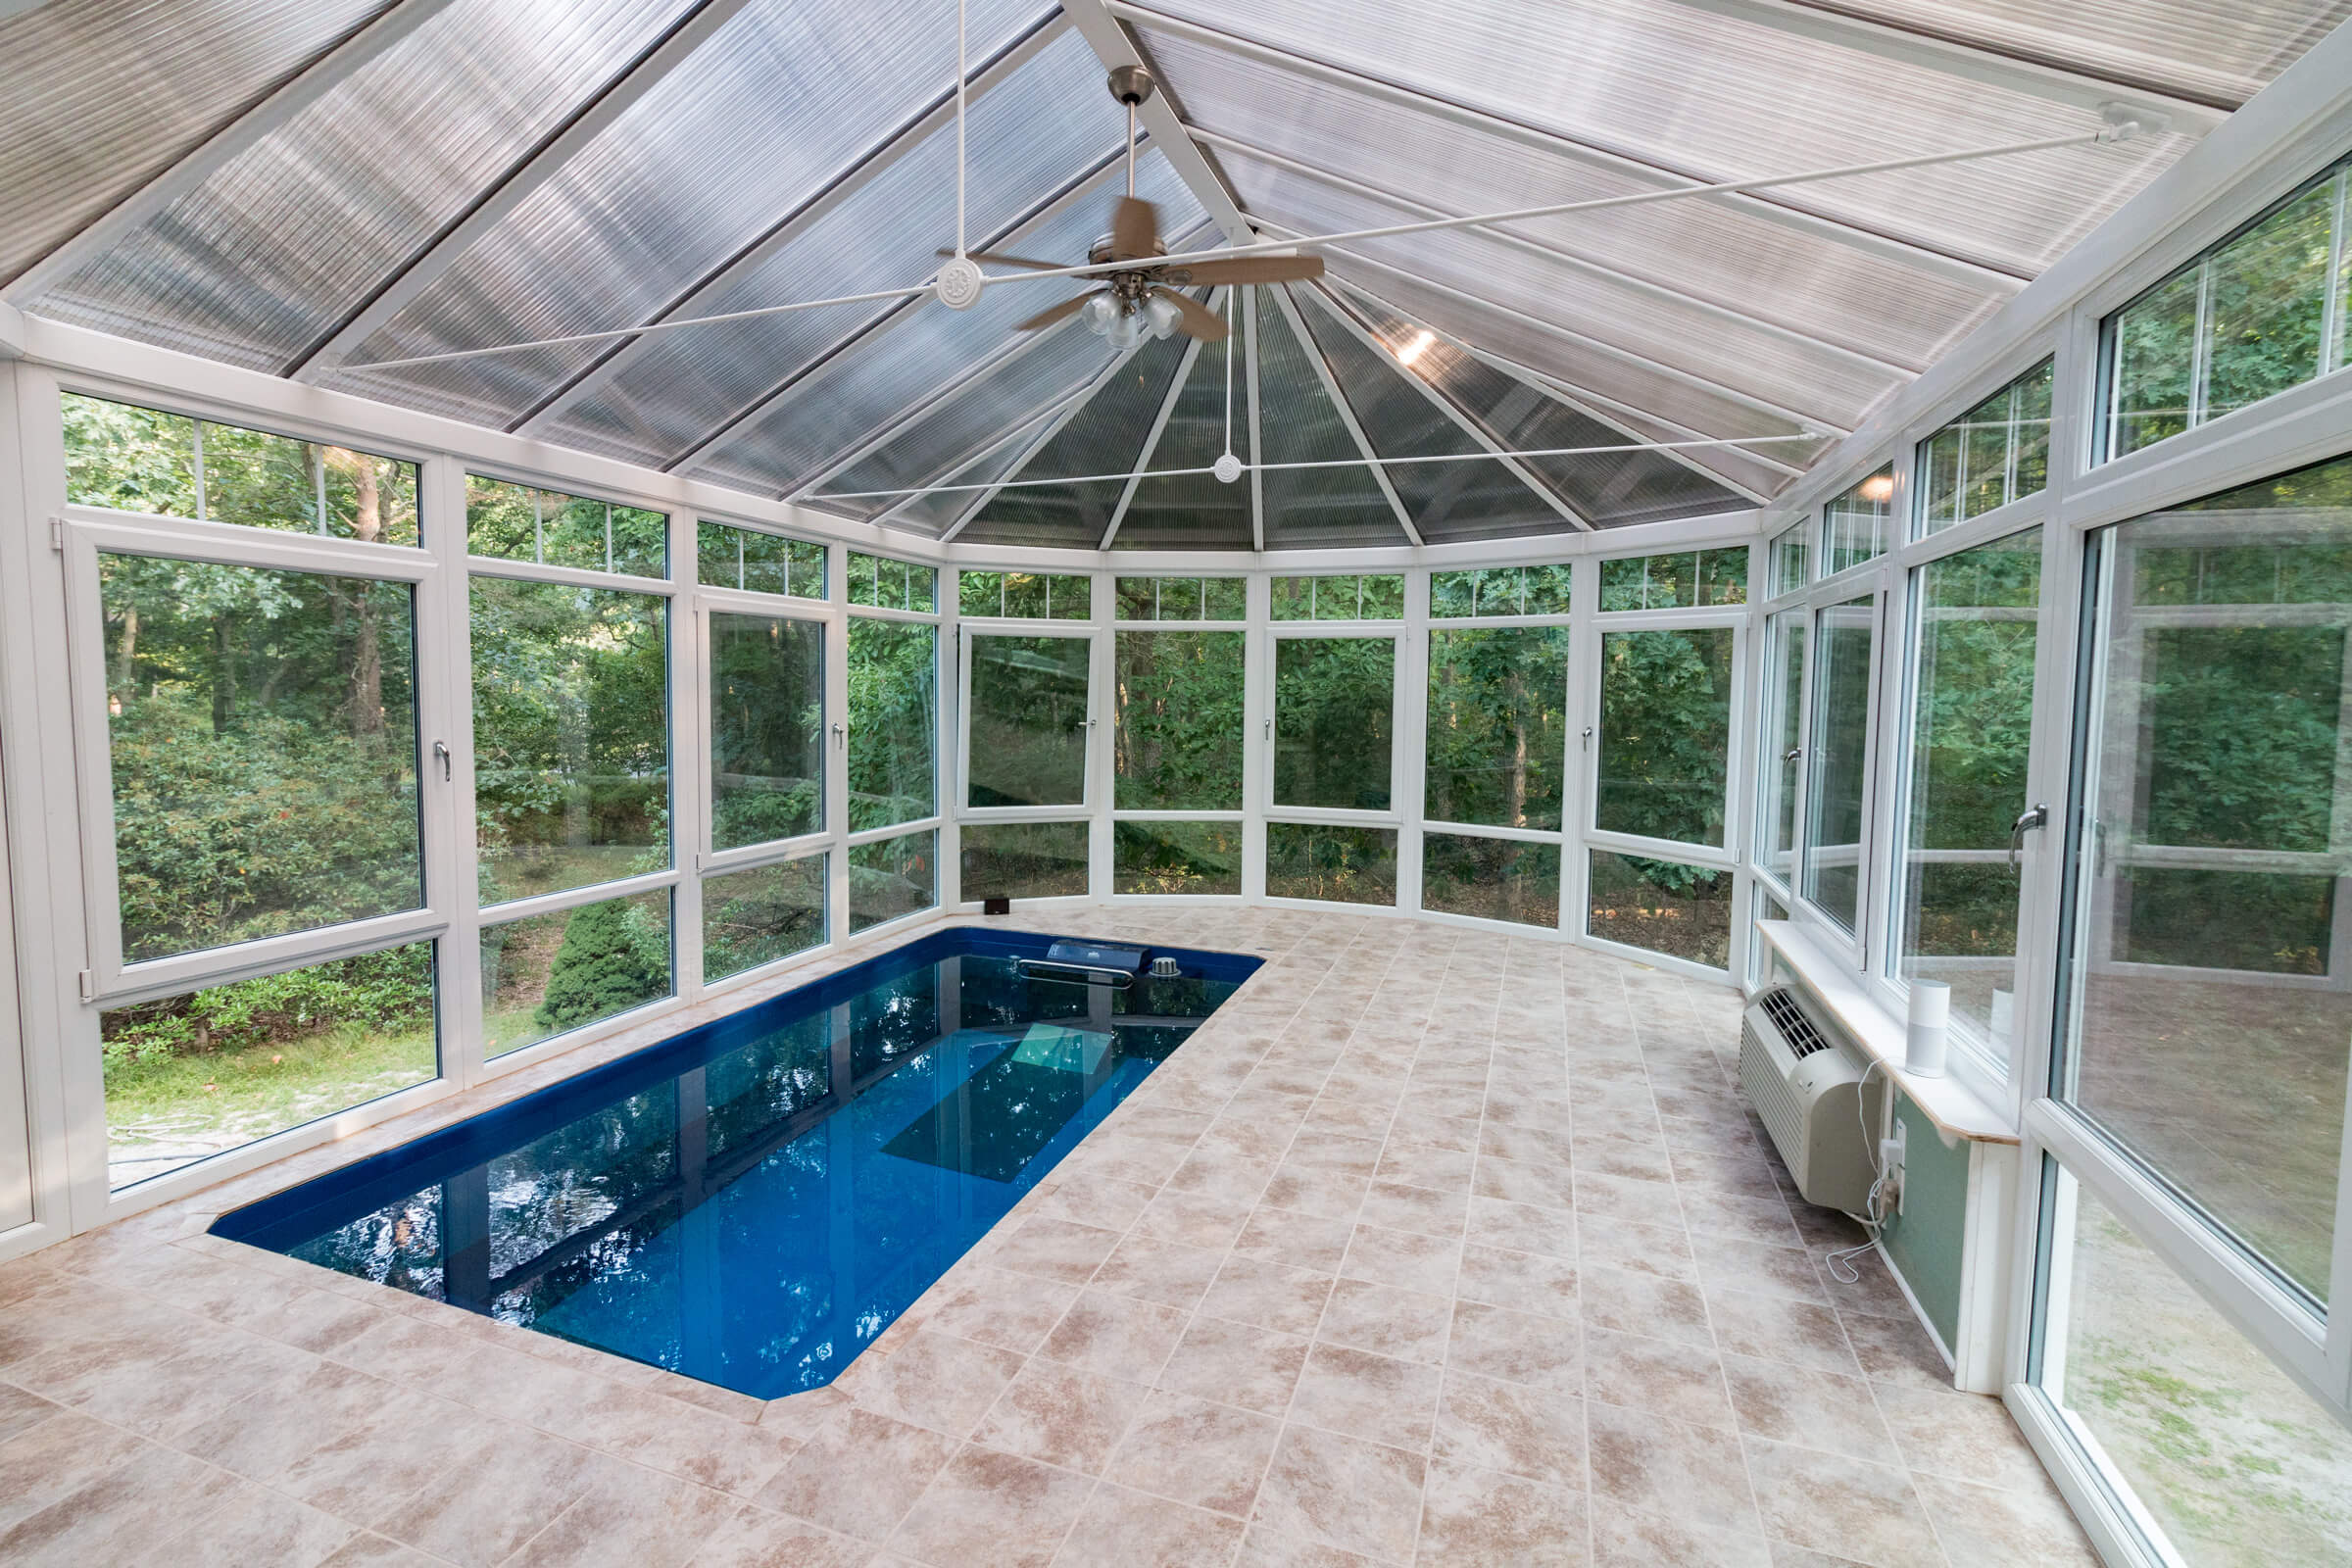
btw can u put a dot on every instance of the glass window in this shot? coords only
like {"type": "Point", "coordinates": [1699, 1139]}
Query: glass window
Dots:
{"type": "Point", "coordinates": [759, 915]}
{"type": "Point", "coordinates": [886, 584]}
{"type": "Point", "coordinates": [1687, 579]}
{"type": "Point", "coordinates": [571, 736]}
{"type": "Point", "coordinates": [1838, 756]}
{"type": "Point", "coordinates": [1784, 732]}
{"type": "Point", "coordinates": [768, 728]}
{"type": "Point", "coordinates": [261, 736]}
{"type": "Point", "coordinates": [1665, 733]}
{"type": "Point", "coordinates": [2208, 1023]}
{"type": "Point", "coordinates": [520, 522]}
{"type": "Point", "coordinates": [1684, 912]}
{"type": "Point", "coordinates": [758, 563]}
{"type": "Point", "coordinates": [1179, 734]}
{"type": "Point", "coordinates": [2258, 314]}
{"type": "Point", "coordinates": [2232, 1460]}
{"type": "Point", "coordinates": [1176, 857]}
{"type": "Point", "coordinates": [1338, 865]}
{"type": "Point", "coordinates": [1972, 718]}
{"type": "Point", "coordinates": [1183, 599]}
{"type": "Point", "coordinates": [1025, 594]}
{"type": "Point", "coordinates": [1025, 860]}
{"type": "Point", "coordinates": [894, 716]}
{"type": "Point", "coordinates": [144, 460]}
{"type": "Point", "coordinates": [548, 974]}
{"type": "Point", "coordinates": [1790, 559]}
{"type": "Point", "coordinates": [1501, 591]}
{"type": "Point", "coordinates": [1333, 701]}
{"type": "Point", "coordinates": [193, 1075]}
{"type": "Point", "coordinates": [1026, 725]}
{"type": "Point", "coordinates": [1496, 879]}
{"type": "Point", "coordinates": [892, 878]}
{"type": "Point", "coordinates": [1854, 527]}
{"type": "Point", "coordinates": [1355, 598]}
{"type": "Point", "coordinates": [1996, 453]}
{"type": "Point", "coordinates": [1498, 725]}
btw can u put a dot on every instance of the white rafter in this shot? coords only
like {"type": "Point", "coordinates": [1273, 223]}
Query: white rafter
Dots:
{"type": "Point", "coordinates": [1113, 46]}
{"type": "Point", "coordinates": [1160, 427]}
{"type": "Point", "coordinates": [1339, 402]}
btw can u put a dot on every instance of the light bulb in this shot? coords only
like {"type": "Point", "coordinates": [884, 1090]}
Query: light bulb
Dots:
{"type": "Point", "coordinates": [1163, 313]}
{"type": "Point", "coordinates": [1126, 330]}
{"type": "Point", "coordinates": [1100, 312]}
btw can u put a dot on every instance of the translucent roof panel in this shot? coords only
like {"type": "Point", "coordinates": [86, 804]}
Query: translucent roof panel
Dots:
{"type": "Point", "coordinates": [1599, 486]}
{"type": "Point", "coordinates": [104, 95]}
{"type": "Point", "coordinates": [822, 415]}
{"type": "Point", "coordinates": [1448, 500]}
{"type": "Point", "coordinates": [1297, 422]}
{"type": "Point", "coordinates": [1727, 255]}
{"type": "Point", "coordinates": [1103, 436]}
{"type": "Point", "coordinates": [282, 242]}
{"type": "Point", "coordinates": [1195, 510]}
{"type": "Point", "coordinates": [935, 513]}
{"type": "Point", "coordinates": [639, 221]}
{"type": "Point", "coordinates": [1715, 95]}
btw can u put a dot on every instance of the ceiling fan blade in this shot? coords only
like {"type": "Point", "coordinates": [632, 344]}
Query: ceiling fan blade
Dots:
{"type": "Point", "coordinates": [1067, 308]}
{"type": "Point", "coordinates": [1200, 321]}
{"type": "Point", "coordinates": [1134, 230]}
{"type": "Point", "coordinates": [1257, 269]}
{"type": "Point", "coordinates": [1002, 260]}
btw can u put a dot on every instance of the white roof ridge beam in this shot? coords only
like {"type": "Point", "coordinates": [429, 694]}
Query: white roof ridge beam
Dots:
{"type": "Point", "coordinates": [623, 91]}
{"type": "Point", "coordinates": [891, 316]}
{"type": "Point", "coordinates": [1985, 276]}
{"type": "Point", "coordinates": [1981, 63]}
{"type": "Point", "coordinates": [1794, 336]}
{"type": "Point", "coordinates": [883, 154]}
{"type": "Point", "coordinates": [1608, 350]}
{"type": "Point", "coordinates": [1115, 46]}
{"type": "Point", "coordinates": [1591, 404]}
{"type": "Point", "coordinates": [1324, 302]}
{"type": "Point", "coordinates": [358, 48]}
{"type": "Point", "coordinates": [1339, 402]}
{"type": "Point", "coordinates": [1152, 438]}
{"type": "Point", "coordinates": [1045, 439]}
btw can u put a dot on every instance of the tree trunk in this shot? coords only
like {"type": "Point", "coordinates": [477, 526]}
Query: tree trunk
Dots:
{"type": "Point", "coordinates": [126, 651]}
{"type": "Point", "coordinates": [224, 676]}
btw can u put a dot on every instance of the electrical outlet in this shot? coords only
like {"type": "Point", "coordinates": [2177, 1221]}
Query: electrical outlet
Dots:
{"type": "Point", "coordinates": [1890, 1161]}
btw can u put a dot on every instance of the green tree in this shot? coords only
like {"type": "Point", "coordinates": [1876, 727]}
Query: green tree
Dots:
{"type": "Point", "coordinates": [601, 970]}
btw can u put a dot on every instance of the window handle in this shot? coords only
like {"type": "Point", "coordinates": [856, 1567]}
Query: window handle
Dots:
{"type": "Point", "coordinates": [1588, 737]}
{"type": "Point", "coordinates": [840, 733]}
{"type": "Point", "coordinates": [1792, 753]}
{"type": "Point", "coordinates": [441, 752]}
{"type": "Point", "coordinates": [2037, 816]}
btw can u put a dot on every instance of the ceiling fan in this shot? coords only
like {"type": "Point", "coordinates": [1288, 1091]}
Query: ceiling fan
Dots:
{"type": "Point", "coordinates": [1136, 300]}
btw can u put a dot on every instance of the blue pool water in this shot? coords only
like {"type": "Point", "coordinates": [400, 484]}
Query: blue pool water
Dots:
{"type": "Point", "coordinates": [752, 1202]}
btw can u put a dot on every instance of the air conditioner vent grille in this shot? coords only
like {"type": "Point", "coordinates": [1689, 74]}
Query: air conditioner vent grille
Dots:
{"type": "Point", "coordinates": [1793, 1023]}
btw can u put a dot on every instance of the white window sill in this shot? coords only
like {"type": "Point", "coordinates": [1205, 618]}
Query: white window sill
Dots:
{"type": "Point", "coordinates": [1956, 1109]}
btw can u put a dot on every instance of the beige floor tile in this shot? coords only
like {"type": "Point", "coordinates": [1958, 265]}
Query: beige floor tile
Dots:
{"type": "Point", "coordinates": [753, 1538]}
{"type": "Point", "coordinates": [1961, 1437]}
{"type": "Point", "coordinates": [1061, 1415]}
{"type": "Point", "coordinates": [1119, 1528]}
{"type": "Point", "coordinates": [858, 1476]}
{"type": "Point", "coordinates": [1521, 1227]}
{"type": "Point", "coordinates": [1846, 1507]}
{"type": "Point", "coordinates": [1535, 1433]}
{"type": "Point", "coordinates": [1668, 1469]}
{"type": "Point", "coordinates": [1108, 1206]}
{"type": "Point", "coordinates": [1516, 1346]}
{"type": "Point", "coordinates": [1115, 1336]}
{"type": "Point", "coordinates": [1662, 1376]}
{"type": "Point", "coordinates": [1643, 1303]}
{"type": "Point", "coordinates": [1371, 1396]}
{"type": "Point", "coordinates": [124, 1515]}
{"type": "Point", "coordinates": [1476, 1519]}
{"type": "Point", "coordinates": [931, 1380]}
{"type": "Point", "coordinates": [1775, 1328]}
{"type": "Point", "coordinates": [1010, 1311]}
{"type": "Point", "coordinates": [1725, 1263]}
{"type": "Point", "coordinates": [630, 1518]}
{"type": "Point", "coordinates": [1055, 1248]}
{"type": "Point", "coordinates": [1165, 1273]}
{"type": "Point", "coordinates": [1895, 1353]}
{"type": "Point", "coordinates": [494, 1494]}
{"type": "Point", "coordinates": [1410, 1261]}
{"type": "Point", "coordinates": [1982, 1527]}
{"type": "Point", "coordinates": [1271, 1296]}
{"type": "Point", "coordinates": [993, 1508]}
{"type": "Point", "coordinates": [1379, 1318]}
{"type": "Point", "coordinates": [1301, 1240]}
{"type": "Point", "coordinates": [1524, 1282]}
{"type": "Point", "coordinates": [1639, 1249]}
{"type": "Point", "coordinates": [1622, 1538]}
{"type": "Point", "coordinates": [1207, 1454]}
{"type": "Point", "coordinates": [1784, 1402]}
{"type": "Point", "coordinates": [1344, 1492]}
{"type": "Point", "coordinates": [1237, 1363]}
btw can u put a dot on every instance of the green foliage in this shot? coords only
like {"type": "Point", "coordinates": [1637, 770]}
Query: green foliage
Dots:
{"type": "Point", "coordinates": [1342, 865]}
{"type": "Point", "coordinates": [758, 563]}
{"type": "Point", "coordinates": [892, 877]}
{"type": "Point", "coordinates": [1501, 591]}
{"type": "Point", "coordinates": [1334, 715]}
{"type": "Point", "coordinates": [768, 728]}
{"type": "Point", "coordinates": [1024, 595]}
{"type": "Point", "coordinates": [388, 990]}
{"type": "Point", "coordinates": [520, 523]}
{"type": "Point", "coordinates": [757, 916]}
{"type": "Point", "coordinates": [601, 968]}
{"type": "Point", "coordinates": [1179, 725]}
{"type": "Point", "coordinates": [894, 699]}
{"type": "Point", "coordinates": [1665, 733]}
{"type": "Point", "coordinates": [887, 584]}
{"type": "Point", "coordinates": [1683, 579]}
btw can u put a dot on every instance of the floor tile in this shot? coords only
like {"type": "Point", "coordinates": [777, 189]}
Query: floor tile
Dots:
{"type": "Point", "coordinates": [1787, 1404]}
{"type": "Point", "coordinates": [1516, 1346]}
{"type": "Point", "coordinates": [1509, 1427]}
{"type": "Point", "coordinates": [1124, 1528]}
{"type": "Point", "coordinates": [1662, 1376]}
{"type": "Point", "coordinates": [861, 1475]}
{"type": "Point", "coordinates": [1115, 1336]}
{"type": "Point", "coordinates": [1653, 1465]}
{"type": "Point", "coordinates": [1846, 1507]}
{"type": "Point", "coordinates": [1385, 1321]}
{"type": "Point", "coordinates": [1344, 1492]}
{"type": "Point", "coordinates": [1271, 1295]}
{"type": "Point", "coordinates": [1371, 1396]}
{"type": "Point", "coordinates": [1061, 1415]}
{"type": "Point", "coordinates": [993, 1508]}
{"type": "Point", "coordinates": [1476, 1519]}
{"type": "Point", "coordinates": [1195, 1452]}
{"type": "Point", "coordinates": [1406, 1260]}
{"type": "Point", "coordinates": [1237, 1363]}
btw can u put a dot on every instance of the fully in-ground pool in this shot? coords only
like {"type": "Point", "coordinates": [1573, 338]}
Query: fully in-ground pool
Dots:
{"type": "Point", "coordinates": [752, 1202]}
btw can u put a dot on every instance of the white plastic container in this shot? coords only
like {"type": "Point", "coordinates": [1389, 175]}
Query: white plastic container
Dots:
{"type": "Point", "coordinates": [1929, 1030]}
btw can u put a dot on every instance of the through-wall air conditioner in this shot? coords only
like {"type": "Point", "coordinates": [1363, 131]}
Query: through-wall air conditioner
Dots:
{"type": "Point", "coordinates": [1805, 1083]}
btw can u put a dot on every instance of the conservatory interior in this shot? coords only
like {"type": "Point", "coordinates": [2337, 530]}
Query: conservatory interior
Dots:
{"type": "Point", "coordinates": [1166, 782]}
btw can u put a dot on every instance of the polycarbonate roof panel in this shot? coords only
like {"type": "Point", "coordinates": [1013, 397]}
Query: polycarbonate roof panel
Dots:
{"type": "Point", "coordinates": [101, 96]}
{"type": "Point", "coordinates": [1194, 511]}
{"type": "Point", "coordinates": [1705, 250]}
{"type": "Point", "coordinates": [1029, 139]}
{"type": "Point", "coordinates": [282, 242]}
{"type": "Point", "coordinates": [1298, 423]}
{"type": "Point", "coordinates": [974, 418]}
{"type": "Point", "coordinates": [935, 513]}
{"type": "Point", "coordinates": [1722, 98]}
{"type": "Point", "coordinates": [2219, 52]}
{"type": "Point", "coordinates": [1521, 417]}
{"type": "Point", "coordinates": [1104, 436]}
{"type": "Point", "coordinates": [1447, 500]}
{"type": "Point", "coordinates": [826, 412]}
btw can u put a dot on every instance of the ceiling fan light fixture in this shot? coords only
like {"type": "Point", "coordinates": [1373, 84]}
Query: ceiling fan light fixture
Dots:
{"type": "Point", "coordinates": [1164, 317]}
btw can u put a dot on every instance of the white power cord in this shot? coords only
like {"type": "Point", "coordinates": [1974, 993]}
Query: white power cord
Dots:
{"type": "Point", "coordinates": [1872, 1218]}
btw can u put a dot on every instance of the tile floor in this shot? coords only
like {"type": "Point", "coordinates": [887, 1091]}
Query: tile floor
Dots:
{"type": "Point", "coordinates": [1434, 1247]}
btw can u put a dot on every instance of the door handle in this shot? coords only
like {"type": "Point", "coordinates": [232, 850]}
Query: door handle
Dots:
{"type": "Point", "coordinates": [441, 752]}
{"type": "Point", "coordinates": [2036, 817]}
